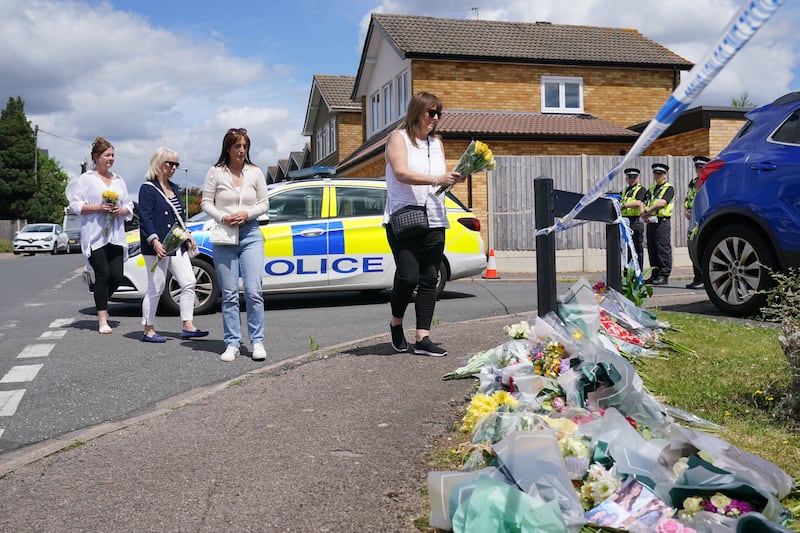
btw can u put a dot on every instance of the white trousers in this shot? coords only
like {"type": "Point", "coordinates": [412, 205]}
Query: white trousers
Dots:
{"type": "Point", "coordinates": [181, 267]}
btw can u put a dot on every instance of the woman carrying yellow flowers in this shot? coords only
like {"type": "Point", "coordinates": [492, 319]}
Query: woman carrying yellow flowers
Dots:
{"type": "Point", "coordinates": [101, 198]}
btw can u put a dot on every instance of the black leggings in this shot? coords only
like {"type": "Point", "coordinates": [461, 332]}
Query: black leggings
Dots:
{"type": "Point", "coordinates": [417, 260]}
{"type": "Point", "coordinates": [107, 264]}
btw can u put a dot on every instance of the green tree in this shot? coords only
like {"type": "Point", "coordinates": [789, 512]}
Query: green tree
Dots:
{"type": "Point", "coordinates": [17, 145]}
{"type": "Point", "coordinates": [743, 101]}
{"type": "Point", "coordinates": [49, 201]}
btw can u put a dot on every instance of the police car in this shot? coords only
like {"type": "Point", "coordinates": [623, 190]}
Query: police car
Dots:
{"type": "Point", "coordinates": [321, 235]}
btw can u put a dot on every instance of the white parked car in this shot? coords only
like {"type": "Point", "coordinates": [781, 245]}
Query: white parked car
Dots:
{"type": "Point", "coordinates": [44, 237]}
{"type": "Point", "coordinates": [321, 235]}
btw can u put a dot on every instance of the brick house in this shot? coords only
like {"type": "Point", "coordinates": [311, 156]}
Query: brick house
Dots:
{"type": "Point", "coordinates": [333, 120]}
{"type": "Point", "coordinates": [524, 88]}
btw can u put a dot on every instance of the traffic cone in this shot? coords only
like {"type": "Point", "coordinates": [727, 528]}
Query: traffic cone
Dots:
{"type": "Point", "coordinates": [491, 268]}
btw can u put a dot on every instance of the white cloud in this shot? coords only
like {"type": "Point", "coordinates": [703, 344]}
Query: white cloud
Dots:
{"type": "Point", "coordinates": [85, 69]}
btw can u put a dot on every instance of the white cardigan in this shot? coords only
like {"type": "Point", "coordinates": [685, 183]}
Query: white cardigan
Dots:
{"type": "Point", "coordinates": [221, 198]}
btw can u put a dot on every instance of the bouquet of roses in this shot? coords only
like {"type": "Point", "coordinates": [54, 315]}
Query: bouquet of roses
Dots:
{"type": "Point", "coordinates": [109, 197]}
{"type": "Point", "coordinates": [476, 157]}
{"type": "Point", "coordinates": [176, 236]}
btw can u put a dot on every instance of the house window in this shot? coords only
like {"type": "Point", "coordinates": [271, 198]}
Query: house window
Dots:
{"type": "Point", "coordinates": [332, 136]}
{"type": "Point", "coordinates": [562, 95]}
{"type": "Point", "coordinates": [402, 93]}
{"type": "Point", "coordinates": [319, 151]}
{"type": "Point", "coordinates": [324, 143]}
{"type": "Point", "coordinates": [387, 104]}
{"type": "Point", "coordinates": [375, 112]}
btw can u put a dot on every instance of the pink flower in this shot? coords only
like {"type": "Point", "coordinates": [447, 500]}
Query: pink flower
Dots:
{"type": "Point", "coordinates": [673, 526]}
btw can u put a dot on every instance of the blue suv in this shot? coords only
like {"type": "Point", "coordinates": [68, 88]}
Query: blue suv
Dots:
{"type": "Point", "coordinates": [746, 215]}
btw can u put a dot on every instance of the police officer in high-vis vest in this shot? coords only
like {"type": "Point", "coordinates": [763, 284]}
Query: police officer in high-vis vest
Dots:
{"type": "Point", "coordinates": [699, 162]}
{"type": "Point", "coordinates": [634, 200]}
{"type": "Point", "coordinates": [657, 216]}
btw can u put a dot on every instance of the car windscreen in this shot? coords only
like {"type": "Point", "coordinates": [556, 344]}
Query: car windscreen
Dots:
{"type": "Point", "coordinates": [38, 228]}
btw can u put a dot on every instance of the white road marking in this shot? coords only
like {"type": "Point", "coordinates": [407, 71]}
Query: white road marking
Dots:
{"type": "Point", "coordinates": [53, 334]}
{"type": "Point", "coordinates": [2, 431]}
{"type": "Point", "coordinates": [61, 322]}
{"type": "Point", "coordinates": [9, 401]}
{"type": "Point", "coordinates": [36, 350]}
{"type": "Point", "coordinates": [21, 373]}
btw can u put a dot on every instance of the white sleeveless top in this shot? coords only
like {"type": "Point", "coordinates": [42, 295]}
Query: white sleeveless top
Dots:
{"type": "Point", "coordinates": [425, 158]}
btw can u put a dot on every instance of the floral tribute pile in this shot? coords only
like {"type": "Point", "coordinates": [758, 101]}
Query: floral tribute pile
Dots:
{"type": "Point", "coordinates": [565, 438]}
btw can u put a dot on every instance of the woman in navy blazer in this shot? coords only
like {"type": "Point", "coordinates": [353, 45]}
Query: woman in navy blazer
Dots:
{"type": "Point", "coordinates": [159, 201]}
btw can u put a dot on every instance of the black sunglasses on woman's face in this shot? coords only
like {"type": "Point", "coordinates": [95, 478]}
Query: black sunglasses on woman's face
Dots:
{"type": "Point", "coordinates": [173, 164]}
{"type": "Point", "coordinates": [434, 113]}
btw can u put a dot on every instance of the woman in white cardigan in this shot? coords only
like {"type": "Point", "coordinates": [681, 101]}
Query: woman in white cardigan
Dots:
{"type": "Point", "coordinates": [235, 194]}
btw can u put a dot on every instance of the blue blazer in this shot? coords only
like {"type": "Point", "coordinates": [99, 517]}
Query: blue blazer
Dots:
{"type": "Point", "coordinates": [156, 216]}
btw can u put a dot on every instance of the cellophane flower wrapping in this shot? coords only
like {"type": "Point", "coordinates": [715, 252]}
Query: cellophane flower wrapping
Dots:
{"type": "Point", "coordinates": [109, 197]}
{"type": "Point", "coordinates": [476, 158]}
{"type": "Point", "coordinates": [174, 239]}
{"type": "Point", "coordinates": [564, 416]}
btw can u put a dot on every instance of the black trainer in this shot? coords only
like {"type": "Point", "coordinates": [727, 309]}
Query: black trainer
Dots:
{"type": "Point", "coordinates": [427, 347]}
{"type": "Point", "coordinates": [398, 339]}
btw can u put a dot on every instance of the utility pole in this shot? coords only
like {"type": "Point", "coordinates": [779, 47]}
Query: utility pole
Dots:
{"type": "Point", "coordinates": [186, 170]}
{"type": "Point", "coordinates": [36, 153]}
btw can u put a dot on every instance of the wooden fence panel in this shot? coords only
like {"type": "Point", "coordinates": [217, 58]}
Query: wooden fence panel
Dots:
{"type": "Point", "coordinates": [511, 206]}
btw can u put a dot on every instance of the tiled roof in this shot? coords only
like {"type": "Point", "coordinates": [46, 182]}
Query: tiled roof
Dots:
{"type": "Point", "coordinates": [529, 42]}
{"type": "Point", "coordinates": [337, 91]}
{"type": "Point", "coordinates": [529, 125]}
{"type": "Point", "coordinates": [489, 125]}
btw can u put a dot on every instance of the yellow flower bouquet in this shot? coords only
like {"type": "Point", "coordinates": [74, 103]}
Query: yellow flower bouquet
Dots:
{"type": "Point", "coordinates": [476, 158]}
{"type": "Point", "coordinates": [109, 197]}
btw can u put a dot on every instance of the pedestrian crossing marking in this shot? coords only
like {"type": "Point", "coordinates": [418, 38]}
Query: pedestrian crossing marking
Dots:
{"type": "Point", "coordinates": [21, 373]}
{"type": "Point", "coordinates": [36, 350]}
{"type": "Point", "coordinates": [9, 401]}
{"type": "Point", "coordinates": [61, 322]}
{"type": "Point", "coordinates": [53, 334]}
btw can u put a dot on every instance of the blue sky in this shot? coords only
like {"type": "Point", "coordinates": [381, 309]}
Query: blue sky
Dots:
{"type": "Point", "coordinates": [178, 73]}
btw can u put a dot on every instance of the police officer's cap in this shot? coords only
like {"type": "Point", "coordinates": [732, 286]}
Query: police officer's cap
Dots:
{"type": "Point", "coordinates": [660, 167]}
{"type": "Point", "coordinates": [632, 172]}
{"type": "Point", "coordinates": [700, 161]}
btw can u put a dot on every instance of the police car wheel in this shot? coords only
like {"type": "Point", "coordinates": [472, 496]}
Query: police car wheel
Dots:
{"type": "Point", "coordinates": [441, 279]}
{"type": "Point", "coordinates": [735, 265]}
{"type": "Point", "coordinates": [206, 291]}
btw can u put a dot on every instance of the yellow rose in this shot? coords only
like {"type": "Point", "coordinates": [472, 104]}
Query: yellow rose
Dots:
{"type": "Point", "coordinates": [693, 504]}
{"type": "Point", "coordinates": [720, 501]}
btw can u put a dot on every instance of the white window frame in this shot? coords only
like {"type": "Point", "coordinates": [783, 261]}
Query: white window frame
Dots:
{"type": "Point", "coordinates": [375, 112]}
{"type": "Point", "coordinates": [318, 149]}
{"type": "Point", "coordinates": [388, 103]}
{"type": "Point", "coordinates": [402, 93]}
{"type": "Point", "coordinates": [332, 136]}
{"type": "Point", "coordinates": [562, 81]}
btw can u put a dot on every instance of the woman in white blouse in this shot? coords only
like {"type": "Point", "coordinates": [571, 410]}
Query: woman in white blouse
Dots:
{"type": "Point", "coordinates": [235, 194]}
{"type": "Point", "coordinates": [101, 198]}
{"type": "Point", "coordinates": [415, 169]}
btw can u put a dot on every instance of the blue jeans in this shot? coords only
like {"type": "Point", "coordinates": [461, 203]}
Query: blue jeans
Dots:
{"type": "Point", "coordinates": [229, 260]}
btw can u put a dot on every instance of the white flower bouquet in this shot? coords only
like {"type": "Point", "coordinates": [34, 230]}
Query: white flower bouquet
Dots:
{"type": "Point", "coordinates": [174, 239]}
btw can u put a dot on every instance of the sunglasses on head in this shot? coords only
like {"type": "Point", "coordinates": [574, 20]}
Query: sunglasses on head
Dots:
{"type": "Point", "coordinates": [434, 113]}
{"type": "Point", "coordinates": [238, 131]}
{"type": "Point", "coordinates": [173, 164]}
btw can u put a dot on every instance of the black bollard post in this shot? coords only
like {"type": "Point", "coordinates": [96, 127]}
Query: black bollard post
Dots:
{"type": "Point", "coordinates": [545, 246]}
{"type": "Point", "coordinates": [613, 257]}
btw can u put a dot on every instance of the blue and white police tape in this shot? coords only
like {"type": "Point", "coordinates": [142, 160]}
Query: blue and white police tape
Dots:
{"type": "Point", "coordinates": [752, 16]}
{"type": "Point", "coordinates": [630, 259]}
